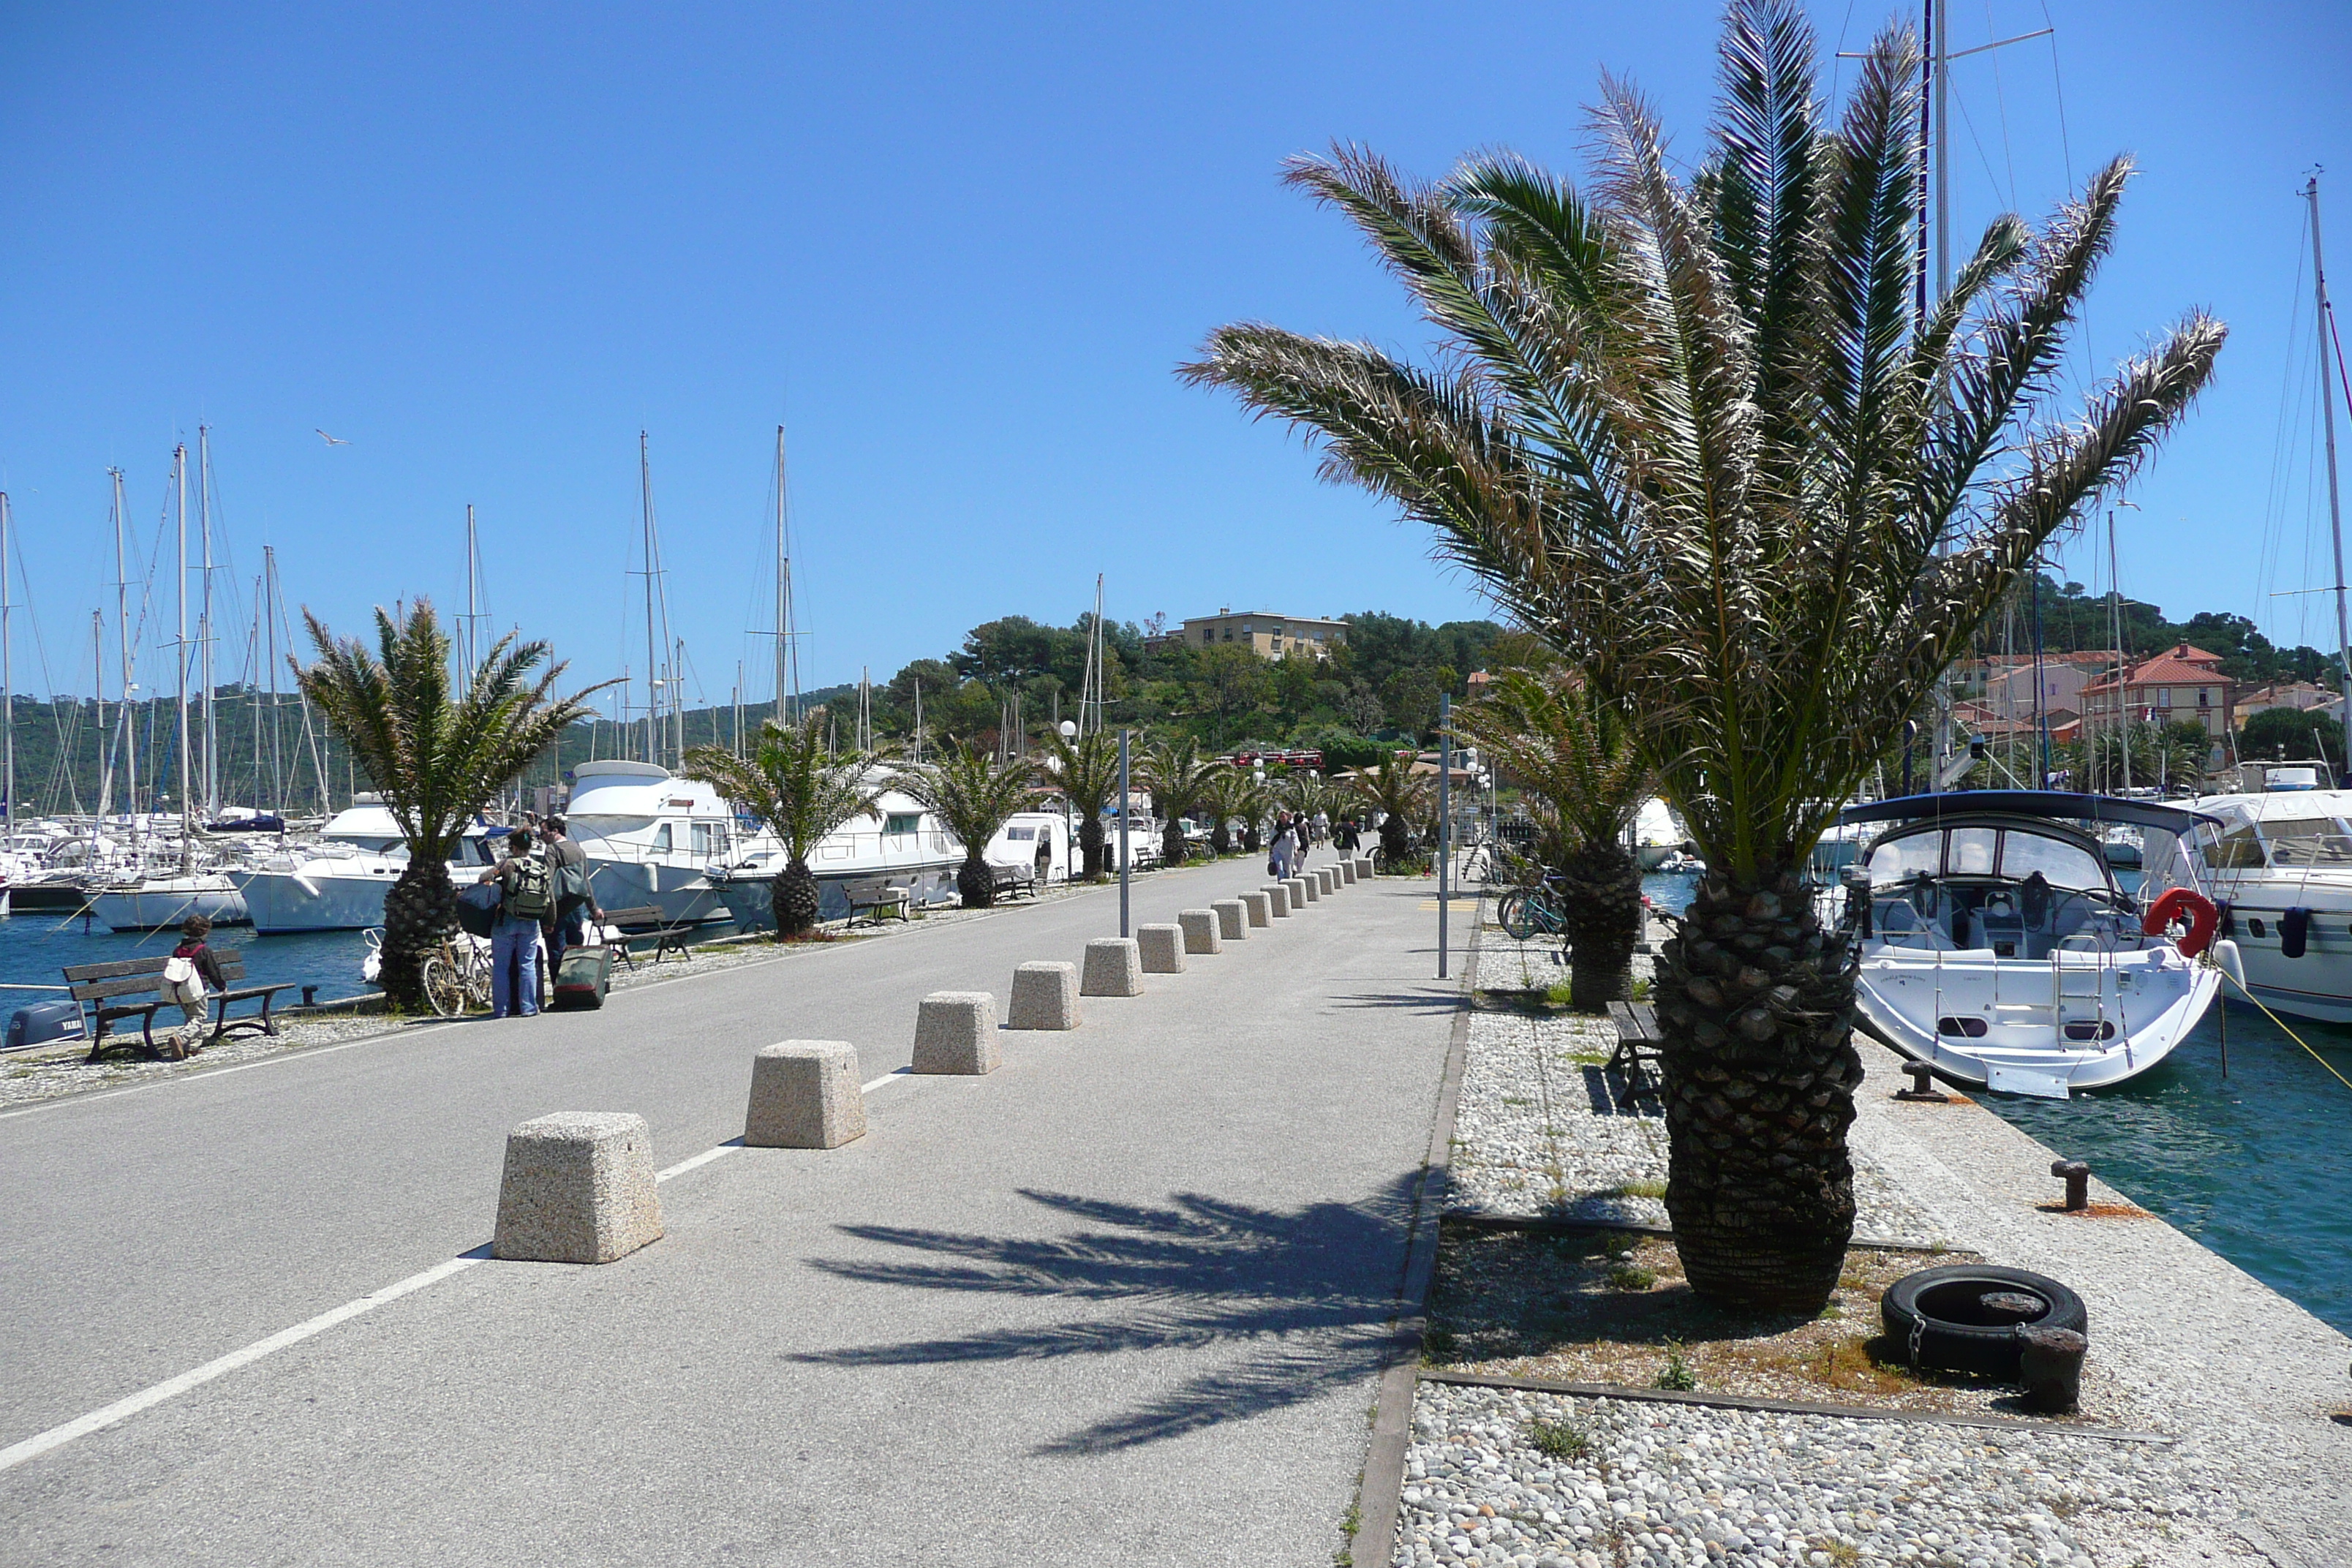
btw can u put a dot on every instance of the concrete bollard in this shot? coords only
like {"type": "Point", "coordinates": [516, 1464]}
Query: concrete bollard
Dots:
{"type": "Point", "coordinates": [1233, 919]}
{"type": "Point", "coordinates": [1200, 927]}
{"type": "Point", "coordinates": [955, 1032]}
{"type": "Point", "coordinates": [1363, 865]}
{"type": "Point", "coordinates": [1044, 997]}
{"type": "Point", "coordinates": [804, 1095]}
{"type": "Point", "coordinates": [1348, 871]}
{"type": "Point", "coordinates": [1161, 948]}
{"type": "Point", "coordinates": [1302, 892]}
{"type": "Point", "coordinates": [1326, 880]}
{"type": "Point", "coordinates": [1278, 900]}
{"type": "Point", "coordinates": [1114, 968]}
{"type": "Point", "coordinates": [1258, 906]}
{"type": "Point", "coordinates": [578, 1187]}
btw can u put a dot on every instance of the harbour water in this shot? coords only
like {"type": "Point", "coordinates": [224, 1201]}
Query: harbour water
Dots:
{"type": "Point", "coordinates": [2252, 1165]}
{"type": "Point", "coordinates": [34, 948]}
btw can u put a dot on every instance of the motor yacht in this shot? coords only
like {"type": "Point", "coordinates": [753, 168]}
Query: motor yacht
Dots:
{"type": "Point", "coordinates": [898, 840]}
{"type": "Point", "coordinates": [1995, 942]}
{"type": "Point", "coordinates": [650, 838]}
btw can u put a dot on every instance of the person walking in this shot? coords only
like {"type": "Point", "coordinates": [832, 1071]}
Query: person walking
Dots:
{"type": "Point", "coordinates": [1044, 865]}
{"type": "Point", "coordinates": [1286, 848]}
{"type": "Point", "coordinates": [526, 899]}
{"type": "Point", "coordinates": [191, 975]}
{"type": "Point", "coordinates": [575, 902]}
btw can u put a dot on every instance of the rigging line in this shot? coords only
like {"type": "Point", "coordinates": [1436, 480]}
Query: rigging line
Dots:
{"type": "Point", "coordinates": [2067, 157]}
{"type": "Point", "coordinates": [1983, 157]}
{"type": "Point", "coordinates": [2292, 386]}
{"type": "Point", "coordinates": [2290, 1034]}
{"type": "Point", "coordinates": [2000, 103]}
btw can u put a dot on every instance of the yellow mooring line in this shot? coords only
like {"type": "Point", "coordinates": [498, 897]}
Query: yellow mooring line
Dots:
{"type": "Point", "coordinates": [2290, 1034]}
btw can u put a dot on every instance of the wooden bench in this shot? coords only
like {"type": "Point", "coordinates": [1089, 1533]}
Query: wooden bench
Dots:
{"type": "Point", "coordinates": [133, 988]}
{"type": "Point", "coordinates": [1012, 881]}
{"type": "Point", "coordinates": [876, 899]}
{"type": "Point", "coordinates": [1637, 1031]}
{"type": "Point", "coordinates": [644, 921]}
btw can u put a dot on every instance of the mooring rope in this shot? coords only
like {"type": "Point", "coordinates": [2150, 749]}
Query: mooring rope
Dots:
{"type": "Point", "coordinates": [2290, 1034]}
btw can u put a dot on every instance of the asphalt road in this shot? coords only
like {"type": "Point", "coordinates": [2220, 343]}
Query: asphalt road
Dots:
{"type": "Point", "coordinates": [1118, 1301]}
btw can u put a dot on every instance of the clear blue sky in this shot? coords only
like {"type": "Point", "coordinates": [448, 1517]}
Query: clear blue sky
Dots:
{"type": "Point", "coordinates": [959, 251]}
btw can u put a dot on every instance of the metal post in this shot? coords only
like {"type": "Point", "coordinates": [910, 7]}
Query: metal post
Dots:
{"type": "Point", "coordinates": [1122, 833]}
{"type": "Point", "coordinates": [2323, 319]}
{"type": "Point", "coordinates": [1444, 816]}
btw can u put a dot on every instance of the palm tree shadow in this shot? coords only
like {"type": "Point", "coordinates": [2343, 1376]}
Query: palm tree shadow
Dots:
{"type": "Point", "coordinates": [1312, 1292]}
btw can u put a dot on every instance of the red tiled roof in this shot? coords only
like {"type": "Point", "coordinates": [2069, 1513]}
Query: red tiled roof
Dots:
{"type": "Point", "coordinates": [2167, 670]}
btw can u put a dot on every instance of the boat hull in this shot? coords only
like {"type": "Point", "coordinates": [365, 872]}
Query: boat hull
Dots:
{"type": "Point", "coordinates": [155, 908]}
{"type": "Point", "coordinates": [683, 895]}
{"type": "Point", "coordinates": [283, 901]}
{"type": "Point", "coordinates": [750, 900]}
{"type": "Point", "coordinates": [47, 897]}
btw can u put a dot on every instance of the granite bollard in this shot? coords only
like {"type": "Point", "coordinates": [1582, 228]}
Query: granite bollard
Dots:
{"type": "Point", "coordinates": [1114, 968]}
{"type": "Point", "coordinates": [804, 1095]}
{"type": "Point", "coordinates": [1233, 919]}
{"type": "Point", "coordinates": [1200, 927]}
{"type": "Point", "coordinates": [1161, 948]}
{"type": "Point", "coordinates": [1044, 997]}
{"type": "Point", "coordinates": [1278, 900]}
{"type": "Point", "coordinates": [1348, 871]}
{"type": "Point", "coordinates": [578, 1187]}
{"type": "Point", "coordinates": [1301, 893]}
{"type": "Point", "coordinates": [1326, 880]}
{"type": "Point", "coordinates": [1259, 907]}
{"type": "Point", "coordinates": [1363, 865]}
{"type": "Point", "coordinates": [955, 1032]}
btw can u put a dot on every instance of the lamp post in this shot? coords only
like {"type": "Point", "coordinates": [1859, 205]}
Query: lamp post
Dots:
{"type": "Point", "coordinates": [1123, 866]}
{"type": "Point", "coordinates": [1444, 822]}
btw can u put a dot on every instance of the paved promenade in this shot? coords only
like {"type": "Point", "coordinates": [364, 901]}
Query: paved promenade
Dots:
{"type": "Point", "coordinates": [1118, 1301]}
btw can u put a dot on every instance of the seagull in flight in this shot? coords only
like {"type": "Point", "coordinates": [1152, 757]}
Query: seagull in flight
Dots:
{"type": "Point", "coordinates": [331, 440]}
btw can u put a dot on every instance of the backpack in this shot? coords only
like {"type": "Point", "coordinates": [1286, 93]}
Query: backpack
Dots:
{"type": "Point", "coordinates": [182, 975]}
{"type": "Point", "coordinates": [533, 896]}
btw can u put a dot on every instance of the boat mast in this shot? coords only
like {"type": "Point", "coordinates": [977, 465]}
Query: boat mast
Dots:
{"type": "Point", "coordinates": [205, 621]}
{"type": "Point", "coordinates": [122, 631]}
{"type": "Point", "coordinates": [469, 653]}
{"type": "Point", "coordinates": [787, 662]}
{"type": "Point", "coordinates": [2123, 654]}
{"type": "Point", "coordinates": [179, 517]}
{"type": "Point", "coordinates": [98, 692]}
{"type": "Point", "coordinates": [2321, 322]}
{"type": "Point", "coordinates": [270, 657]}
{"type": "Point", "coordinates": [653, 659]}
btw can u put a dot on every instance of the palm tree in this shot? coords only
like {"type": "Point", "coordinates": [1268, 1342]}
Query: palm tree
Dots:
{"type": "Point", "coordinates": [800, 790]}
{"type": "Point", "coordinates": [1087, 772]}
{"type": "Point", "coordinates": [1695, 433]}
{"type": "Point", "coordinates": [1575, 758]}
{"type": "Point", "coordinates": [436, 757]}
{"type": "Point", "coordinates": [1394, 789]}
{"type": "Point", "coordinates": [973, 793]}
{"type": "Point", "coordinates": [1234, 796]}
{"type": "Point", "coordinates": [1180, 778]}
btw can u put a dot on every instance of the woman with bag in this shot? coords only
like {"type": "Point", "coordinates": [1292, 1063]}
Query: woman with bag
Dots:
{"type": "Point", "coordinates": [191, 975]}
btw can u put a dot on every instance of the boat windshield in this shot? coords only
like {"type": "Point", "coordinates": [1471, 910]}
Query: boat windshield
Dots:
{"type": "Point", "coordinates": [2062, 865]}
{"type": "Point", "coordinates": [2308, 841]}
{"type": "Point", "coordinates": [2014, 853]}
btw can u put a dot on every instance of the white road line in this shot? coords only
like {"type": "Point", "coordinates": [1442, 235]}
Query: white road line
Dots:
{"type": "Point", "coordinates": [885, 1078]}
{"type": "Point", "coordinates": [81, 1426]}
{"type": "Point", "coordinates": [683, 1166]}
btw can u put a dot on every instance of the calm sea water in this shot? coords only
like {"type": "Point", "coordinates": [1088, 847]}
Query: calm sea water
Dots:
{"type": "Point", "coordinates": [2252, 1164]}
{"type": "Point", "coordinates": [35, 947]}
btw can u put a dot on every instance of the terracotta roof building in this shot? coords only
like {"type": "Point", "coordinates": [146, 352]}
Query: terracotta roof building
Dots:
{"type": "Point", "coordinates": [2180, 683]}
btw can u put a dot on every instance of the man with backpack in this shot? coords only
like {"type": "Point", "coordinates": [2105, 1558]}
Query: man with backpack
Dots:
{"type": "Point", "coordinates": [526, 902]}
{"type": "Point", "coordinates": [573, 901]}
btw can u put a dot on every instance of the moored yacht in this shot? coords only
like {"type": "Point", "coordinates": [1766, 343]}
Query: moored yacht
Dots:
{"type": "Point", "coordinates": [1996, 944]}
{"type": "Point", "coordinates": [649, 837]}
{"type": "Point", "coordinates": [898, 840]}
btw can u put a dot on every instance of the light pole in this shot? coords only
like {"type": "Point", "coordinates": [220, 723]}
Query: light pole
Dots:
{"type": "Point", "coordinates": [1123, 869]}
{"type": "Point", "coordinates": [1444, 821]}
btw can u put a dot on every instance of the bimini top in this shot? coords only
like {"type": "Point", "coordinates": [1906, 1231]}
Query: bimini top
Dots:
{"type": "Point", "coordinates": [2030, 802]}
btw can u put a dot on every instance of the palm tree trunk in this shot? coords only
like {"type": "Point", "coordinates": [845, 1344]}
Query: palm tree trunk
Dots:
{"type": "Point", "coordinates": [1250, 836]}
{"type": "Point", "coordinates": [1090, 843]}
{"type": "Point", "coordinates": [1221, 839]}
{"type": "Point", "coordinates": [976, 883]}
{"type": "Point", "coordinates": [1755, 1008]}
{"type": "Point", "coordinates": [1171, 842]}
{"type": "Point", "coordinates": [796, 896]}
{"type": "Point", "coordinates": [419, 914]}
{"type": "Point", "coordinates": [1603, 892]}
{"type": "Point", "coordinates": [1395, 842]}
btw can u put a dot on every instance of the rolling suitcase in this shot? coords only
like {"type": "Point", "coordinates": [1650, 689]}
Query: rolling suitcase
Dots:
{"type": "Point", "coordinates": [582, 978]}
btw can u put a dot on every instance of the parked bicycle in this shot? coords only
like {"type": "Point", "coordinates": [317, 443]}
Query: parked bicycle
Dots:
{"type": "Point", "coordinates": [1538, 910]}
{"type": "Point", "coordinates": [457, 977]}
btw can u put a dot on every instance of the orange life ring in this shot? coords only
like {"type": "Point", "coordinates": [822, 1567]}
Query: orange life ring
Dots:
{"type": "Point", "coordinates": [2183, 903]}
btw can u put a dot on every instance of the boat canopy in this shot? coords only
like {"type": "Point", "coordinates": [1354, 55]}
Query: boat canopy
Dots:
{"type": "Point", "coordinates": [2051, 803]}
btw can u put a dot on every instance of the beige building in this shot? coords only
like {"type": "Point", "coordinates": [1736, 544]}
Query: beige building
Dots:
{"type": "Point", "coordinates": [2181, 683]}
{"type": "Point", "coordinates": [1262, 632]}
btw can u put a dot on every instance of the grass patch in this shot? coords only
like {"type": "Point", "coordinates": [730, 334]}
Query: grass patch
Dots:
{"type": "Point", "coordinates": [1641, 990]}
{"type": "Point", "coordinates": [1560, 994]}
{"type": "Point", "coordinates": [1676, 1375]}
{"type": "Point", "coordinates": [1841, 1553]}
{"type": "Point", "coordinates": [1638, 1190]}
{"type": "Point", "coordinates": [1558, 1439]}
{"type": "Point", "coordinates": [1438, 1344]}
{"type": "Point", "coordinates": [1631, 1276]}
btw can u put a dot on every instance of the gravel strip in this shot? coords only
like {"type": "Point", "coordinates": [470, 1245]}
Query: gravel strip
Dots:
{"type": "Point", "coordinates": [1541, 1131]}
{"type": "Point", "coordinates": [1636, 1484]}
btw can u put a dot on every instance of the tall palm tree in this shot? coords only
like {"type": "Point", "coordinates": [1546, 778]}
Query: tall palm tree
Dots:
{"type": "Point", "coordinates": [1393, 788]}
{"type": "Point", "coordinates": [973, 792]}
{"type": "Point", "coordinates": [1695, 433]}
{"type": "Point", "coordinates": [436, 756]}
{"type": "Point", "coordinates": [1180, 778]}
{"type": "Point", "coordinates": [1087, 772]}
{"type": "Point", "coordinates": [1575, 757]}
{"type": "Point", "coordinates": [800, 790]}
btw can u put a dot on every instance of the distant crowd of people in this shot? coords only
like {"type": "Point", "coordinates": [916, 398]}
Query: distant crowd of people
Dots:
{"type": "Point", "coordinates": [1294, 835]}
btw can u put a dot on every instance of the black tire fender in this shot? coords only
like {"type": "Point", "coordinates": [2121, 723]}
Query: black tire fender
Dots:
{"type": "Point", "coordinates": [1927, 1315]}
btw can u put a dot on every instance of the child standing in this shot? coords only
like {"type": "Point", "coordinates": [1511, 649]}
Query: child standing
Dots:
{"type": "Point", "coordinates": [191, 976]}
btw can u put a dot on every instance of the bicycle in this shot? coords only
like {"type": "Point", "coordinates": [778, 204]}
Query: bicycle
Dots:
{"type": "Point", "coordinates": [1538, 910]}
{"type": "Point", "coordinates": [457, 977]}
